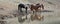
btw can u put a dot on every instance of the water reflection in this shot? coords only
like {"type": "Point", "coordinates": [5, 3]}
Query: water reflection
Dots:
{"type": "Point", "coordinates": [46, 11]}
{"type": "Point", "coordinates": [37, 16]}
{"type": "Point", "coordinates": [31, 17]}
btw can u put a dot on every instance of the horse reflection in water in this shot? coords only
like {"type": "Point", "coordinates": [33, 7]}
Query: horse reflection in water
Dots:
{"type": "Point", "coordinates": [37, 17]}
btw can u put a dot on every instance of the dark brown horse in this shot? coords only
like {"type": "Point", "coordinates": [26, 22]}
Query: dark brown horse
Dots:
{"type": "Point", "coordinates": [36, 7]}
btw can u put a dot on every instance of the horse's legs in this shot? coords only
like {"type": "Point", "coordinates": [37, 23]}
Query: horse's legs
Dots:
{"type": "Point", "coordinates": [26, 9]}
{"type": "Point", "coordinates": [33, 12]}
{"type": "Point", "coordinates": [26, 12]}
{"type": "Point", "coordinates": [19, 9]}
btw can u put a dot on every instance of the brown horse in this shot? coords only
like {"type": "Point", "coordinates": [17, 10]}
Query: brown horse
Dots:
{"type": "Point", "coordinates": [36, 7]}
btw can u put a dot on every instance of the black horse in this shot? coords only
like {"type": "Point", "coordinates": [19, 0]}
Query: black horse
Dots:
{"type": "Point", "coordinates": [20, 6]}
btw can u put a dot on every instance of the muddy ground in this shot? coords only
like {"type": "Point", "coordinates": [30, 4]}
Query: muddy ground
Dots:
{"type": "Point", "coordinates": [51, 12]}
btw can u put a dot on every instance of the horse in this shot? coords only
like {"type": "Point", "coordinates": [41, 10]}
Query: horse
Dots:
{"type": "Point", "coordinates": [20, 6]}
{"type": "Point", "coordinates": [25, 6]}
{"type": "Point", "coordinates": [36, 7]}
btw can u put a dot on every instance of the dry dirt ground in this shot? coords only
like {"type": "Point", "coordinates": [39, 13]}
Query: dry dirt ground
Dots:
{"type": "Point", "coordinates": [51, 12]}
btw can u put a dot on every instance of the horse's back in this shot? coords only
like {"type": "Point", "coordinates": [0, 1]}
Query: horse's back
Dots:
{"type": "Point", "coordinates": [21, 5]}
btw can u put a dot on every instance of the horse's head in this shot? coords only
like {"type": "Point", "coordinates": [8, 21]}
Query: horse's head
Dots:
{"type": "Point", "coordinates": [42, 6]}
{"type": "Point", "coordinates": [38, 4]}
